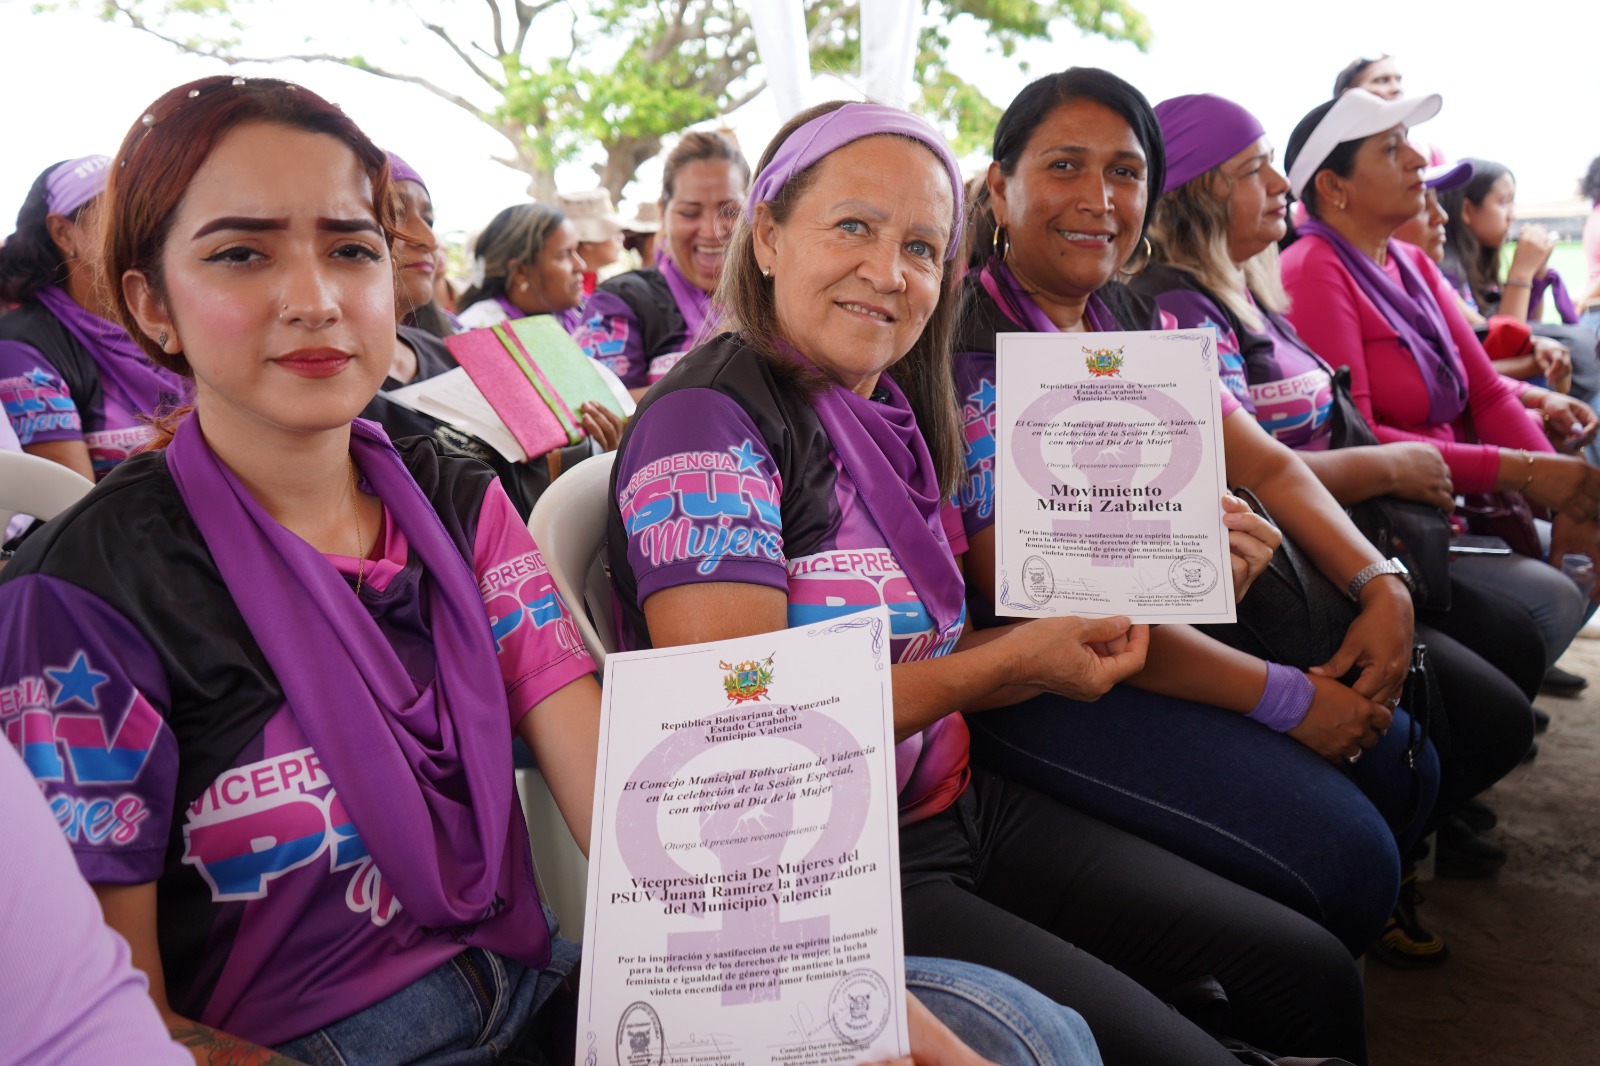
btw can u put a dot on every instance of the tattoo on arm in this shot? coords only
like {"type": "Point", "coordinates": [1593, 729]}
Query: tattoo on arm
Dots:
{"type": "Point", "coordinates": [220, 1049]}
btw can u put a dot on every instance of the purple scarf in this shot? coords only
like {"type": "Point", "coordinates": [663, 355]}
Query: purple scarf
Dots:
{"type": "Point", "coordinates": [1018, 306]}
{"type": "Point", "coordinates": [425, 776]}
{"type": "Point", "coordinates": [694, 304]}
{"type": "Point", "coordinates": [1557, 288]}
{"type": "Point", "coordinates": [883, 452]}
{"type": "Point", "coordinates": [125, 374]}
{"type": "Point", "coordinates": [1413, 313]}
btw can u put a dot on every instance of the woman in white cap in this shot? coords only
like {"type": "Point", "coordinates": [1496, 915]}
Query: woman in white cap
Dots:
{"type": "Point", "coordinates": [1416, 367]}
{"type": "Point", "coordinates": [76, 388]}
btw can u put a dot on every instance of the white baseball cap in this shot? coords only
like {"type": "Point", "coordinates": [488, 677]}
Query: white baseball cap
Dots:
{"type": "Point", "coordinates": [1351, 117]}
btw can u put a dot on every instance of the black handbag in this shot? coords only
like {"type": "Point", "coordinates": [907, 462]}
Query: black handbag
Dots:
{"type": "Point", "coordinates": [1415, 533]}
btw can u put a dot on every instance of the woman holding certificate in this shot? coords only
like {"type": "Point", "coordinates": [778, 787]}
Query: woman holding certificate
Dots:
{"type": "Point", "coordinates": [277, 664]}
{"type": "Point", "coordinates": [1179, 754]}
{"type": "Point", "coordinates": [795, 469]}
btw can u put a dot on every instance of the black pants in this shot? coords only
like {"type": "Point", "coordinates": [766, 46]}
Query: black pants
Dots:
{"type": "Point", "coordinates": [1488, 659]}
{"type": "Point", "coordinates": [1109, 924]}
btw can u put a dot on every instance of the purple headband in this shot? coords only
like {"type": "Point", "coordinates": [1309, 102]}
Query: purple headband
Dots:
{"type": "Point", "coordinates": [1201, 132]}
{"type": "Point", "coordinates": [828, 133]}
{"type": "Point", "coordinates": [400, 170]}
{"type": "Point", "coordinates": [75, 183]}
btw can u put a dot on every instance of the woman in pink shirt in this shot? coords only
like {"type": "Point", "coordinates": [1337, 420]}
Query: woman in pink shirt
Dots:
{"type": "Point", "coordinates": [1417, 371]}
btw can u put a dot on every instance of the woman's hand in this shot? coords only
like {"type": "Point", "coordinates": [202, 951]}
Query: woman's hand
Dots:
{"type": "Point", "coordinates": [1417, 471]}
{"type": "Point", "coordinates": [1080, 658]}
{"type": "Point", "coordinates": [1570, 424]}
{"type": "Point", "coordinates": [1554, 362]}
{"type": "Point", "coordinates": [602, 424]}
{"type": "Point", "coordinates": [1341, 723]}
{"type": "Point", "coordinates": [1564, 483]}
{"type": "Point", "coordinates": [1534, 244]}
{"type": "Point", "coordinates": [1251, 542]}
{"type": "Point", "coordinates": [1378, 641]}
{"type": "Point", "coordinates": [932, 1042]}
{"type": "Point", "coordinates": [1571, 537]}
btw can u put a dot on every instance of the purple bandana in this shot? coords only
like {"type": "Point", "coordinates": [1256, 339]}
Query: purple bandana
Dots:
{"type": "Point", "coordinates": [75, 183]}
{"type": "Point", "coordinates": [400, 170]}
{"type": "Point", "coordinates": [125, 373]}
{"type": "Point", "coordinates": [828, 133]}
{"type": "Point", "coordinates": [1551, 282]}
{"type": "Point", "coordinates": [426, 776]}
{"type": "Point", "coordinates": [1412, 312]}
{"type": "Point", "coordinates": [1018, 306]}
{"type": "Point", "coordinates": [1201, 132]}
{"type": "Point", "coordinates": [694, 304]}
{"type": "Point", "coordinates": [885, 456]}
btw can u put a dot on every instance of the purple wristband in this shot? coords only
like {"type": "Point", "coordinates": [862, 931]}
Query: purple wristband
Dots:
{"type": "Point", "coordinates": [1285, 700]}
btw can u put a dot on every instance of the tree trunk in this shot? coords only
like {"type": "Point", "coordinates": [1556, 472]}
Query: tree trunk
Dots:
{"type": "Point", "coordinates": [623, 158]}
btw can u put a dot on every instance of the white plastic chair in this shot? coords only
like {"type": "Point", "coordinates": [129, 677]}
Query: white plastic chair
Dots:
{"type": "Point", "coordinates": [33, 486]}
{"type": "Point", "coordinates": [569, 525]}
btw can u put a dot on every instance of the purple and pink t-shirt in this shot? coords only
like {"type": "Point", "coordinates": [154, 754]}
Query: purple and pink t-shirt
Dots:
{"type": "Point", "coordinates": [1270, 372]}
{"type": "Point", "coordinates": [701, 497]}
{"type": "Point", "coordinates": [642, 322]}
{"type": "Point", "coordinates": [300, 928]}
{"type": "Point", "coordinates": [41, 407]}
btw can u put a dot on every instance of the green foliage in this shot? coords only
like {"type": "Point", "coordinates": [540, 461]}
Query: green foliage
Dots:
{"type": "Point", "coordinates": [637, 70]}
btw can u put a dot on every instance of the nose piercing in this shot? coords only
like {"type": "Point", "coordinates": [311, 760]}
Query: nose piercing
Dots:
{"type": "Point", "coordinates": [283, 312]}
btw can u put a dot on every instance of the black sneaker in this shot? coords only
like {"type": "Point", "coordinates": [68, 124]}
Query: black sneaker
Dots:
{"type": "Point", "coordinates": [1541, 720]}
{"type": "Point", "coordinates": [1563, 683]}
{"type": "Point", "coordinates": [1405, 944]}
{"type": "Point", "coordinates": [1464, 854]}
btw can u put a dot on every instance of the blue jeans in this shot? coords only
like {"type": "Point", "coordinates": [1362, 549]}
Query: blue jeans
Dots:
{"type": "Point", "coordinates": [481, 1009]}
{"type": "Point", "coordinates": [999, 1017]}
{"type": "Point", "coordinates": [1228, 794]}
{"type": "Point", "coordinates": [478, 1009]}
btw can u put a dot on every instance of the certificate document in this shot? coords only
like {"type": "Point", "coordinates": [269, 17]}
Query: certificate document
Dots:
{"type": "Point", "coordinates": [1110, 477]}
{"type": "Point", "coordinates": [744, 868]}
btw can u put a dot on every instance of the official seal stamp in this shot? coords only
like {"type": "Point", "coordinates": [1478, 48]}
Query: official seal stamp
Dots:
{"type": "Point", "coordinates": [858, 1007]}
{"type": "Point", "coordinates": [1038, 580]}
{"type": "Point", "coordinates": [639, 1038]}
{"type": "Point", "coordinates": [1192, 575]}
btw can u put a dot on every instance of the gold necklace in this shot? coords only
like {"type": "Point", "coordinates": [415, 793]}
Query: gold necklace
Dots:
{"type": "Point", "coordinates": [361, 541]}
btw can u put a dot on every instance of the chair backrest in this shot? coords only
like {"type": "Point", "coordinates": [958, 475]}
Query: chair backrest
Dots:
{"type": "Point", "coordinates": [38, 487]}
{"type": "Point", "coordinates": [569, 525]}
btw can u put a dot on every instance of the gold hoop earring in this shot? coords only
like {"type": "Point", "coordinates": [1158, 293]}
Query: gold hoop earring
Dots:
{"type": "Point", "coordinates": [1000, 247]}
{"type": "Point", "coordinates": [1149, 254]}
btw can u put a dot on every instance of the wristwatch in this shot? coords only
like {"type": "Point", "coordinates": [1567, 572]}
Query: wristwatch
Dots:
{"type": "Point", "coordinates": [1388, 566]}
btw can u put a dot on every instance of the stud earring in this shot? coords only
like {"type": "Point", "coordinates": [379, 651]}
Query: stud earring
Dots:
{"type": "Point", "coordinates": [766, 272]}
{"type": "Point", "coordinates": [161, 341]}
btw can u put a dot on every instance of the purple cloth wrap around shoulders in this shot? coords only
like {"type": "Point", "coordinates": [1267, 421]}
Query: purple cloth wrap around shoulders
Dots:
{"type": "Point", "coordinates": [425, 776]}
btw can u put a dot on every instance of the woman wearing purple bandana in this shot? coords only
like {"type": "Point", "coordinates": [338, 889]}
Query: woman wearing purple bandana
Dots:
{"type": "Point", "coordinates": [1417, 370]}
{"type": "Point", "coordinates": [76, 388]}
{"type": "Point", "coordinates": [1215, 234]}
{"type": "Point", "coordinates": [1286, 778]}
{"type": "Point", "coordinates": [276, 665]}
{"type": "Point", "coordinates": [640, 322]}
{"type": "Point", "coordinates": [828, 406]}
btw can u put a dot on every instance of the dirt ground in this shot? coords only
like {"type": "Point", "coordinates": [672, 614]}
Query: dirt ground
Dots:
{"type": "Point", "coordinates": [1522, 985]}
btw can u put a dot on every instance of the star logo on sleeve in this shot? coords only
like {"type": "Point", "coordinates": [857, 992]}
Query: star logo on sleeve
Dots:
{"type": "Point", "coordinates": [748, 459]}
{"type": "Point", "coordinates": [984, 397]}
{"type": "Point", "coordinates": [78, 682]}
{"type": "Point", "coordinates": [38, 378]}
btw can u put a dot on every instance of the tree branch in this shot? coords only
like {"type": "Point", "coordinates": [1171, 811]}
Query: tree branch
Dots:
{"type": "Point", "coordinates": [499, 28]}
{"type": "Point", "coordinates": [443, 35]}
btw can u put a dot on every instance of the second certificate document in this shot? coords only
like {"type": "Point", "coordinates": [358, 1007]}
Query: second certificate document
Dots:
{"type": "Point", "coordinates": [1110, 477]}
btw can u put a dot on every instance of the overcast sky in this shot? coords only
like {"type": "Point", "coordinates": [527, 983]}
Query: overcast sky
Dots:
{"type": "Point", "coordinates": [1519, 90]}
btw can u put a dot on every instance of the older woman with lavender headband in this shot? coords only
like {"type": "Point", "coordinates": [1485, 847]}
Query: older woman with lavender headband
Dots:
{"type": "Point", "coordinates": [830, 399]}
